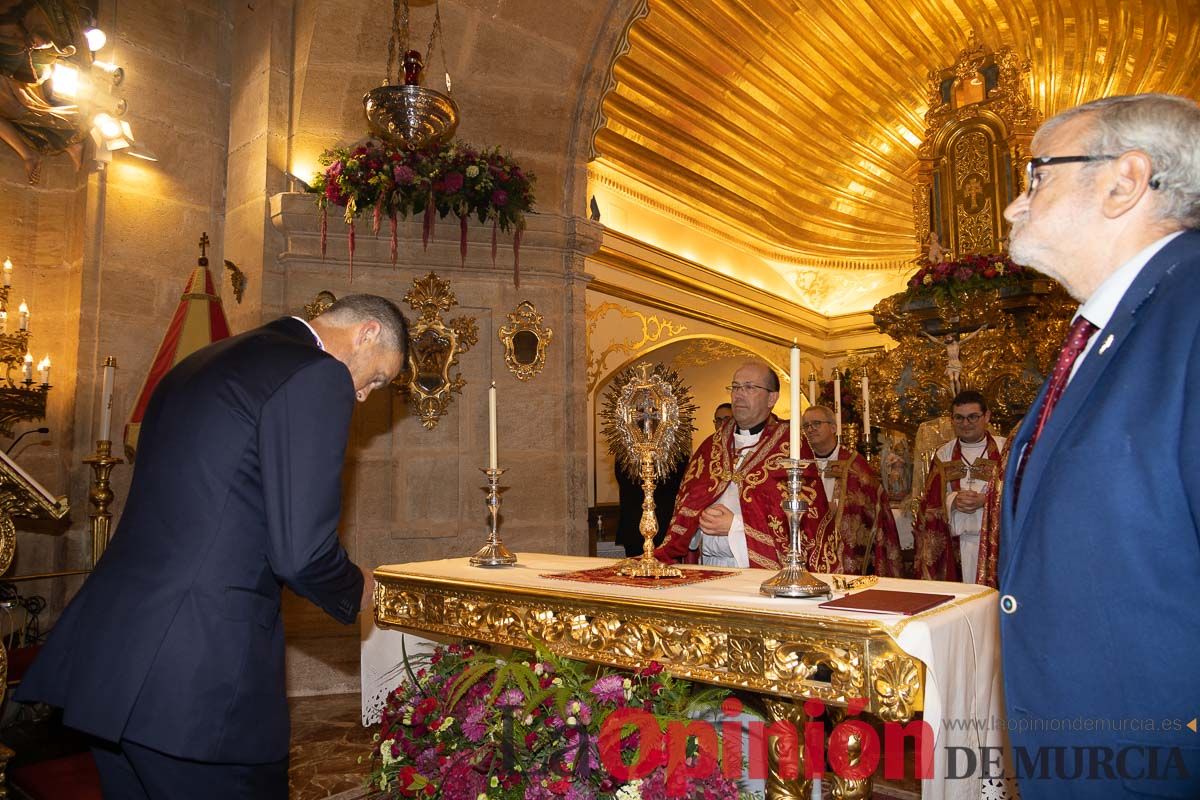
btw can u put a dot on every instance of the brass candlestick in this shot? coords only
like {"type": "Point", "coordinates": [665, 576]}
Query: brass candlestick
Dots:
{"type": "Point", "coordinates": [101, 495]}
{"type": "Point", "coordinates": [493, 553]}
{"type": "Point", "coordinates": [794, 580]}
{"type": "Point", "coordinates": [647, 566]}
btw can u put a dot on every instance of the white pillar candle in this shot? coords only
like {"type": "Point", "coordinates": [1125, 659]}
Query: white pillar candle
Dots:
{"type": "Point", "coordinates": [837, 400]}
{"type": "Point", "coordinates": [24, 312]}
{"type": "Point", "coordinates": [866, 390]}
{"type": "Point", "coordinates": [106, 395]}
{"type": "Point", "coordinates": [28, 368]}
{"type": "Point", "coordinates": [7, 273]}
{"type": "Point", "coordinates": [794, 386]}
{"type": "Point", "coordinates": [492, 426]}
{"type": "Point", "coordinates": [44, 369]}
{"type": "Point", "coordinates": [812, 388]}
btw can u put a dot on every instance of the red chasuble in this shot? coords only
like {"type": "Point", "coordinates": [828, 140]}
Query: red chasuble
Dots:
{"type": "Point", "coordinates": [855, 533]}
{"type": "Point", "coordinates": [936, 556]}
{"type": "Point", "coordinates": [762, 481]}
{"type": "Point", "coordinates": [989, 536]}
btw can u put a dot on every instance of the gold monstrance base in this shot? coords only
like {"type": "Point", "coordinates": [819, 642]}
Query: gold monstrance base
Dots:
{"type": "Point", "coordinates": [794, 580]}
{"type": "Point", "coordinates": [647, 566]}
{"type": "Point", "coordinates": [493, 553]}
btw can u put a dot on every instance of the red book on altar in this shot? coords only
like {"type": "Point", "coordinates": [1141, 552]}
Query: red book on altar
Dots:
{"type": "Point", "coordinates": [884, 601]}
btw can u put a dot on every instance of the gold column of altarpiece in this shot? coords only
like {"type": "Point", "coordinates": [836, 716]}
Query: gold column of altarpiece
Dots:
{"type": "Point", "coordinates": [783, 654]}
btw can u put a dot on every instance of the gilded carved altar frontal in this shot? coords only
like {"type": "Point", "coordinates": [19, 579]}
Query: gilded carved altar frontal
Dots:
{"type": "Point", "coordinates": [609, 575]}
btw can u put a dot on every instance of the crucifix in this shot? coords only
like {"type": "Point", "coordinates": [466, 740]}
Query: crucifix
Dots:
{"type": "Point", "coordinates": [647, 413]}
{"type": "Point", "coordinates": [204, 249]}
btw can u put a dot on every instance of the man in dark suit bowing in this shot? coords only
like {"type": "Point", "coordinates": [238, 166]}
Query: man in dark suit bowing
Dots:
{"type": "Point", "coordinates": [1100, 556]}
{"type": "Point", "coordinates": [172, 654]}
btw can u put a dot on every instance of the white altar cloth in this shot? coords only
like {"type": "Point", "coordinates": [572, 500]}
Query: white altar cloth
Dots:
{"type": "Point", "coordinates": [958, 642]}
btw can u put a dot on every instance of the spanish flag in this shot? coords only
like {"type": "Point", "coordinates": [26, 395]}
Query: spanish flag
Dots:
{"type": "Point", "coordinates": [199, 321]}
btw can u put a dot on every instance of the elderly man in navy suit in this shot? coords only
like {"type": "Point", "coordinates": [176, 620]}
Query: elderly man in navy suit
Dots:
{"type": "Point", "coordinates": [171, 656]}
{"type": "Point", "coordinates": [1100, 556]}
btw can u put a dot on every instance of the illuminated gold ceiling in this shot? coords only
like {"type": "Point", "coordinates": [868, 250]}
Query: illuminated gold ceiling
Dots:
{"type": "Point", "coordinates": [793, 124]}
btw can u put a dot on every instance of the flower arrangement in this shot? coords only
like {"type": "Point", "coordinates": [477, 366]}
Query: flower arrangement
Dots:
{"type": "Point", "coordinates": [472, 726]}
{"type": "Point", "coordinates": [946, 280]}
{"type": "Point", "coordinates": [453, 178]}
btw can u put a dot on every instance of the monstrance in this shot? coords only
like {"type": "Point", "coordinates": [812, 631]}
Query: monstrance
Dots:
{"type": "Point", "coordinates": [647, 418]}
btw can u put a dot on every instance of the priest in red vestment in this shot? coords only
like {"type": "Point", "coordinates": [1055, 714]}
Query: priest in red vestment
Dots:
{"type": "Point", "coordinates": [729, 511]}
{"type": "Point", "coordinates": [949, 518]}
{"type": "Point", "coordinates": [849, 527]}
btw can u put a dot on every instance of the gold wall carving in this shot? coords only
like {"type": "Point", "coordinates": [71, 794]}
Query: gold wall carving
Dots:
{"type": "Point", "coordinates": [434, 348]}
{"type": "Point", "coordinates": [699, 352]}
{"type": "Point", "coordinates": [525, 340]}
{"type": "Point", "coordinates": [654, 329]}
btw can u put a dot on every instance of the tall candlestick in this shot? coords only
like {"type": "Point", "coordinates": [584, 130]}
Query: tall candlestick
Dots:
{"type": "Point", "coordinates": [28, 368]}
{"type": "Point", "coordinates": [794, 386]}
{"type": "Point", "coordinates": [492, 426]}
{"type": "Point", "coordinates": [812, 388]}
{"type": "Point", "coordinates": [24, 312]}
{"type": "Point", "coordinates": [7, 273]}
{"type": "Point", "coordinates": [106, 394]}
{"type": "Point", "coordinates": [837, 400]}
{"type": "Point", "coordinates": [866, 390]}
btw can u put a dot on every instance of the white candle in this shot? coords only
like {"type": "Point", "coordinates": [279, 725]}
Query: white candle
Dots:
{"type": "Point", "coordinates": [837, 400]}
{"type": "Point", "coordinates": [106, 394]}
{"type": "Point", "coordinates": [7, 273]}
{"type": "Point", "coordinates": [28, 368]}
{"type": "Point", "coordinates": [866, 389]}
{"type": "Point", "coordinates": [812, 388]}
{"type": "Point", "coordinates": [24, 312]}
{"type": "Point", "coordinates": [492, 426]}
{"type": "Point", "coordinates": [44, 369]}
{"type": "Point", "coordinates": [794, 378]}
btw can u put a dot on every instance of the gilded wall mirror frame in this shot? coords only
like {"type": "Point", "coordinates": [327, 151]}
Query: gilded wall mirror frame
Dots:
{"type": "Point", "coordinates": [525, 340]}
{"type": "Point", "coordinates": [434, 346]}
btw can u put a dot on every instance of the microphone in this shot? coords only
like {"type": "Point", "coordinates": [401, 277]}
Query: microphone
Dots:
{"type": "Point", "coordinates": [8, 449]}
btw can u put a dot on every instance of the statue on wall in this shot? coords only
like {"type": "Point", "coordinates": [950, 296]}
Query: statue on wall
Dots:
{"type": "Point", "coordinates": [34, 35]}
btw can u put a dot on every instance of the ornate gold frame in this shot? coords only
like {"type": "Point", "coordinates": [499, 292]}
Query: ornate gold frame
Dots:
{"type": "Point", "coordinates": [525, 319]}
{"type": "Point", "coordinates": [433, 349]}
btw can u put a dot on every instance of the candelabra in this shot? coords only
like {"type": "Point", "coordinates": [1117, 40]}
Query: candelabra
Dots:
{"type": "Point", "coordinates": [100, 494]}
{"type": "Point", "coordinates": [493, 553]}
{"type": "Point", "coordinates": [793, 580]}
{"type": "Point", "coordinates": [21, 398]}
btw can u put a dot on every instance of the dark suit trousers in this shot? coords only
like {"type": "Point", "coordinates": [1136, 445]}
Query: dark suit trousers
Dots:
{"type": "Point", "coordinates": [131, 772]}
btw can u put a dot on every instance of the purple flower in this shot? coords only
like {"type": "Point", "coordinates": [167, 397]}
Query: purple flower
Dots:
{"type": "Point", "coordinates": [499, 197]}
{"type": "Point", "coordinates": [404, 175]}
{"type": "Point", "coordinates": [453, 182]}
{"type": "Point", "coordinates": [609, 689]}
{"type": "Point", "coordinates": [511, 697]}
{"type": "Point", "coordinates": [473, 726]}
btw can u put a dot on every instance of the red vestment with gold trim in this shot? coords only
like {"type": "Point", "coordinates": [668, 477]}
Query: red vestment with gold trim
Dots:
{"type": "Point", "coordinates": [762, 481]}
{"type": "Point", "coordinates": [936, 555]}
{"type": "Point", "coordinates": [854, 531]}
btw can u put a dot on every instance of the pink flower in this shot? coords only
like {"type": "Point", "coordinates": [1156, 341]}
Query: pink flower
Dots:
{"type": "Point", "coordinates": [453, 182]}
{"type": "Point", "coordinates": [499, 197]}
{"type": "Point", "coordinates": [609, 689]}
{"type": "Point", "coordinates": [404, 175]}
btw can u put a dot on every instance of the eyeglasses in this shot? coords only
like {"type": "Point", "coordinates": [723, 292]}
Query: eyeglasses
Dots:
{"type": "Point", "coordinates": [745, 387]}
{"type": "Point", "coordinates": [1033, 177]}
{"type": "Point", "coordinates": [812, 426]}
{"type": "Point", "coordinates": [971, 418]}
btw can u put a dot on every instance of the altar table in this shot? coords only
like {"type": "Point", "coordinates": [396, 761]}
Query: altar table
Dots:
{"type": "Point", "coordinates": [943, 662]}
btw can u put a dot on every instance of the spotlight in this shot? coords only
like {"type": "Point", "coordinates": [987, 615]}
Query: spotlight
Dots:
{"type": "Point", "coordinates": [117, 74]}
{"type": "Point", "coordinates": [95, 39]}
{"type": "Point", "coordinates": [64, 80]}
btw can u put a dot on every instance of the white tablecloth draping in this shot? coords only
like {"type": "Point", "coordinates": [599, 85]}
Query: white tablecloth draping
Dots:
{"type": "Point", "coordinates": [958, 642]}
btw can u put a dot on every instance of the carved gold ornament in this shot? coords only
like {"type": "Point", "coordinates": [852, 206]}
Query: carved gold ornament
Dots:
{"type": "Point", "coordinates": [654, 329]}
{"type": "Point", "coordinates": [525, 340]}
{"type": "Point", "coordinates": [319, 305]}
{"type": "Point", "coordinates": [433, 349]}
{"type": "Point", "coordinates": [648, 405]}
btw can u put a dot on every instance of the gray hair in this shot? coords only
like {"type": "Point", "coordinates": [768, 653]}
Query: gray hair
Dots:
{"type": "Point", "coordinates": [358, 308]}
{"type": "Point", "coordinates": [825, 411]}
{"type": "Point", "coordinates": [770, 376]}
{"type": "Point", "coordinates": [1165, 127]}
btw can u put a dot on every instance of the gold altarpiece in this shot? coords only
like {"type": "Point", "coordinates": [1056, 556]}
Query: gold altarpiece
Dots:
{"type": "Point", "coordinates": [978, 129]}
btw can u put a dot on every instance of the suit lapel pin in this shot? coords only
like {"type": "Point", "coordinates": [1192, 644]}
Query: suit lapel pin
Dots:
{"type": "Point", "coordinates": [1107, 342]}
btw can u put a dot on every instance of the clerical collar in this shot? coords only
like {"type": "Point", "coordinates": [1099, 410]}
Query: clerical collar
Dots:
{"type": "Point", "coordinates": [981, 443]}
{"type": "Point", "coordinates": [756, 429]}
{"type": "Point", "coordinates": [827, 455]}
